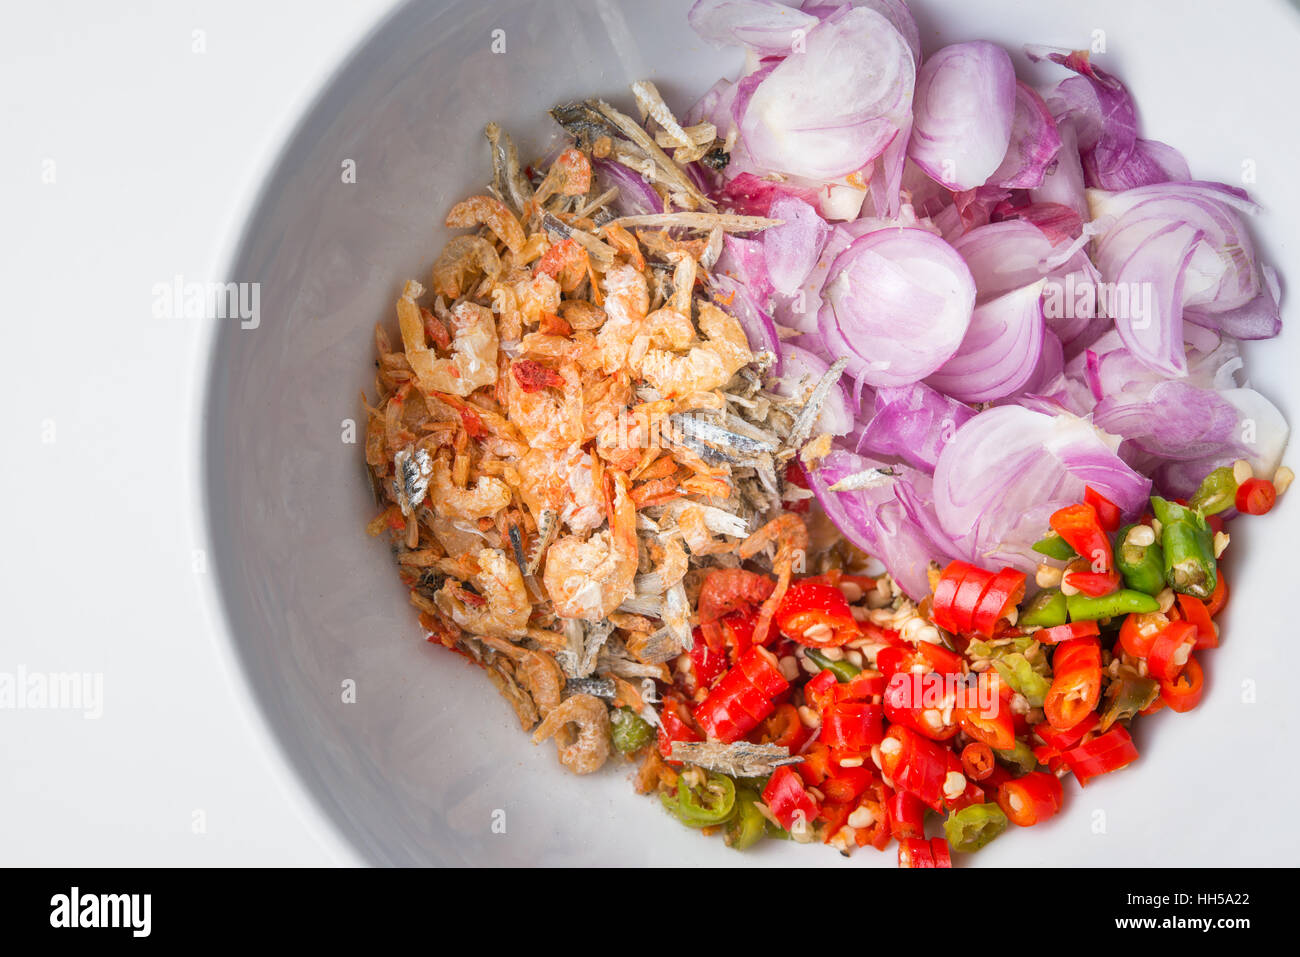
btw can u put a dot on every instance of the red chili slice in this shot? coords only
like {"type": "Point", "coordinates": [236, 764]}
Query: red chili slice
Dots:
{"type": "Point", "coordinates": [1003, 594]}
{"type": "Point", "coordinates": [1059, 633]}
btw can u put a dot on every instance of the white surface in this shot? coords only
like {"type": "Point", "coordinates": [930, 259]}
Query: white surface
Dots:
{"type": "Point", "coordinates": [159, 152]}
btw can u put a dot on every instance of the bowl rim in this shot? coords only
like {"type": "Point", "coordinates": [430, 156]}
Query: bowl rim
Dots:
{"type": "Point", "coordinates": [325, 822]}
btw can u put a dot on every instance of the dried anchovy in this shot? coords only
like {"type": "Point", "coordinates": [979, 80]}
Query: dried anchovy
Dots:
{"type": "Point", "coordinates": [673, 173]}
{"type": "Point", "coordinates": [650, 606]}
{"type": "Point", "coordinates": [741, 759]}
{"type": "Point", "coordinates": [652, 104]}
{"type": "Point", "coordinates": [742, 425]}
{"type": "Point", "coordinates": [517, 544]}
{"type": "Point", "coordinates": [868, 478]}
{"type": "Point", "coordinates": [584, 123]}
{"type": "Point", "coordinates": [677, 617]}
{"type": "Point", "coordinates": [659, 647]}
{"type": "Point", "coordinates": [506, 175]}
{"type": "Point", "coordinates": [595, 637]}
{"type": "Point", "coordinates": [709, 454]}
{"type": "Point", "coordinates": [714, 434]}
{"type": "Point", "coordinates": [602, 252]}
{"type": "Point", "coordinates": [569, 656]}
{"type": "Point", "coordinates": [556, 227]}
{"type": "Point", "coordinates": [803, 422]}
{"type": "Point", "coordinates": [730, 222]}
{"type": "Point", "coordinates": [547, 522]}
{"type": "Point", "coordinates": [614, 659]}
{"type": "Point", "coordinates": [596, 687]}
{"type": "Point", "coordinates": [411, 481]}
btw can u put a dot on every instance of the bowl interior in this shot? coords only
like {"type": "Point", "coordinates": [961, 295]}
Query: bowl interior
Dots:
{"type": "Point", "coordinates": [428, 765]}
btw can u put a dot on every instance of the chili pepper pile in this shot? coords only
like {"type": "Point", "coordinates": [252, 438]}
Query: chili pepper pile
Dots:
{"type": "Point", "coordinates": [1031, 691]}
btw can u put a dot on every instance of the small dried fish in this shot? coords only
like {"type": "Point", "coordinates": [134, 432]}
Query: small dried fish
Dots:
{"type": "Point", "coordinates": [517, 545]}
{"type": "Point", "coordinates": [701, 428]}
{"type": "Point", "coordinates": [868, 478]}
{"type": "Point", "coordinates": [508, 179]}
{"type": "Point", "coordinates": [411, 479]}
{"type": "Point", "coordinates": [596, 635]}
{"type": "Point", "coordinates": [584, 123]}
{"type": "Point", "coordinates": [614, 659]}
{"type": "Point", "coordinates": [574, 642]}
{"type": "Point", "coordinates": [677, 618]}
{"type": "Point", "coordinates": [716, 159]}
{"type": "Point", "coordinates": [803, 423]}
{"type": "Point", "coordinates": [596, 687]}
{"type": "Point", "coordinates": [741, 759]}
{"type": "Point", "coordinates": [652, 104]}
{"type": "Point", "coordinates": [547, 523]}
{"type": "Point", "coordinates": [728, 222]}
{"type": "Point", "coordinates": [651, 606]}
{"type": "Point", "coordinates": [711, 455]}
{"type": "Point", "coordinates": [680, 183]}
{"type": "Point", "coordinates": [655, 648]}
{"type": "Point", "coordinates": [599, 250]}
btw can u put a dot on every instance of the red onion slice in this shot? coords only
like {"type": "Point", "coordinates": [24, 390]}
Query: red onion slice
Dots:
{"type": "Point", "coordinates": [765, 26]}
{"type": "Point", "coordinates": [913, 422]}
{"type": "Point", "coordinates": [900, 300]}
{"type": "Point", "coordinates": [1147, 260]}
{"type": "Point", "coordinates": [880, 519]}
{"type": "Point", "coordinates": [791, 249]}
{"type": "Point", "coordinates": [965, 106]}
{"type": "Point", "coordinates": [1009, 468]}
{"type": "Point", "coordinates": [1064, 183]}
{"type": "Point", "coordinates": [1035, 141]}
{"type": "Point", "coordinates": [1001, 349]}
{"type": "Point", "coordinates": [636, 197]}
{"type": "Point", "coordinates": [731, 296]}
{"type": "Point", "coordinates": [833, 108]}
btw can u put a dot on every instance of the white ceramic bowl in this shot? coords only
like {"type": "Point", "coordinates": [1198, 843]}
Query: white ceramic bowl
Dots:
{"type": "Point", "coordinates": [428, 762]}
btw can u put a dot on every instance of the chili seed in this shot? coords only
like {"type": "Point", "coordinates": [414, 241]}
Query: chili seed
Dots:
{"type": "Point", "coordinates": [1221, 540]}
{"type": "Point", "coordinates": [1141, 536]}
{"type": "Point", "coordinates": [1047, 576]}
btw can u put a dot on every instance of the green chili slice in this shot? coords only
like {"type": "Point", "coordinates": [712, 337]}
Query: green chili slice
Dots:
{"type": "Point", "coordinates": [974, 826]}
{"type": "Point", "coordinates": [748, 826]}
{"type": "Point", "coordinates": [629, 731]}
{"type": "Point", "coordinates": [1126, 601]}
{"type": "Point", "coordinates": [1054, 546]}
{"type": "Point", "coordinates": [1017, 671]}
{"type": "Point", "coordinates": [1217, 492]}
{"type": "Point", "coordinates": [1188, 544]}
{"type": "Point", "coordinates": [843, 669]}
{"type": "Point", "coordinates": [1021, 757]}
{"type": "Point", "coordinates": [710, 804]}
{"type": "Point", "coordinates": [1143, 566]}
{"type": "Point", "coordinates": [1046, 610]}
{"type": "Point", "coordinates": [1126, 696]}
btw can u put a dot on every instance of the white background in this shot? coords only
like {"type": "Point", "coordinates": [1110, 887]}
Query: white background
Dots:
{"type": "Point", "coordinates": [157, 150]}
